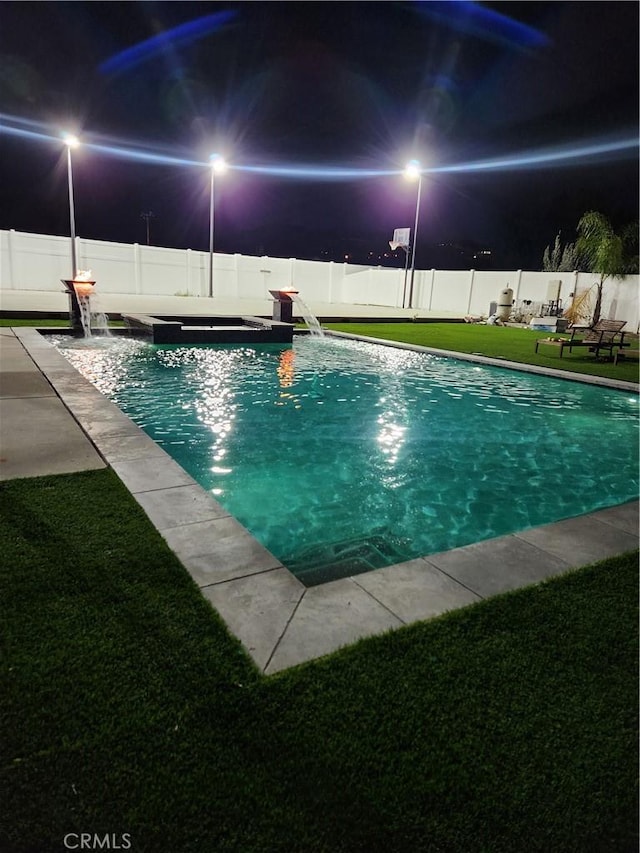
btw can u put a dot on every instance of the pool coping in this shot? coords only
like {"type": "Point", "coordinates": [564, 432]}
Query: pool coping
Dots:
{"type": "Point", "coordinates": [279, 621]}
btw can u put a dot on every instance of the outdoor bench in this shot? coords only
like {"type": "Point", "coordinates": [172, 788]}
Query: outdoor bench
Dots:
{"type": "Point", "coordinates": [604, 335]}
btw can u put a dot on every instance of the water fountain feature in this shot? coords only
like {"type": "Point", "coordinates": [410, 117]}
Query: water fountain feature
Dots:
{"type": "Point", "coordinates": [283, 301]}
{"type": "Point", "coordinates": [83, 292]}
{"type": "Point", "coordinates": [309, 317]}
{"type": "Point", "coordinates": [83, 318]}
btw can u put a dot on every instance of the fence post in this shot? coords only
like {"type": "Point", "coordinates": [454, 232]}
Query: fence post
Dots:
{"type": "Point", "coordinates": [472, 274]}
{"type": "Point", "coordinates": [188, 260]}
{"type": "Point", "coordinates": [516, 290]}
{"type": "Point", "coordinates": [137, 272]}
{"type": "Point", "coordinates": [10, 251]}
{"type": "Point", "coordinates": [432, 279]}
{"type": "Point", "coordinates": [236, 266]}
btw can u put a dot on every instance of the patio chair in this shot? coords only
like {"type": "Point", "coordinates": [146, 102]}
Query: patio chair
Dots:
{"type": "Point", "coordinates": [603, 336]}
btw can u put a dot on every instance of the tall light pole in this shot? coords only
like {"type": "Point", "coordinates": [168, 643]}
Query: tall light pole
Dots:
{"type": "Point", "coordinates": [71, 142]}
{"type": "Point", "coordinates": [413, 171]}
{"type": "Point", "coordinates": [218, 166]}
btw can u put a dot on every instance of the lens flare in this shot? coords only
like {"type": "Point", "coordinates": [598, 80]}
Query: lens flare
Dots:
{"type": "Point", "coordinates": [318, 173]}
{"type": "Point", "coordinates": [476, 20]}
{"type": "Point", "coordinates": [569, 154]}
{"type": "Point", "coordinates": [177, 37]}
{"type": "Point", "coordinates": [566, 155]}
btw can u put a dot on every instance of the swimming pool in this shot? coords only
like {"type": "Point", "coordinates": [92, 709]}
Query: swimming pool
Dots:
{"type": "Point", "coordinates": [344, 456]}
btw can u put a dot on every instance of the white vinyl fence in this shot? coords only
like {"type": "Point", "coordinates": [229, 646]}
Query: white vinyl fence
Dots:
{"type": "Point", "coordinates": [38, 262]}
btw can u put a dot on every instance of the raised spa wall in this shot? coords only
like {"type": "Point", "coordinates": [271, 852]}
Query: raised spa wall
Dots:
{"type": "Point", "coordinates": [209, 329]}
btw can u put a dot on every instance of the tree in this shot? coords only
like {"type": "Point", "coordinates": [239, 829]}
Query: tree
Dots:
{"type": "Point", "coordinates": [559, 259]}
{"type": "Point", "coordinates": [604, 252]}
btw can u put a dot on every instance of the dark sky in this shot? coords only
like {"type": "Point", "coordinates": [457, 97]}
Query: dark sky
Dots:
{"type": "Point", "coordinates": [361, 85]}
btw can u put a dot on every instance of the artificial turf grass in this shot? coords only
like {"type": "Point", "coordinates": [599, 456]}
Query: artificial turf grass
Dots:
{"type": "Point", "coordinates": [503, 342]}
{"type": "Point", "coordinates": [501, 686]}
{"type": "Point", "coordinates": [509, 725]}
{"type": "Point", "coordinates": [61, 322]}
{"type": "Point", "coordinates": [107, 592]}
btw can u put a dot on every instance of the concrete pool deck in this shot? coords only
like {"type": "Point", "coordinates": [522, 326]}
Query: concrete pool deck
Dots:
{"type": "Point", "coordinates": [53, 421]}
{"type": "Point", "coordinates": [15, 303]}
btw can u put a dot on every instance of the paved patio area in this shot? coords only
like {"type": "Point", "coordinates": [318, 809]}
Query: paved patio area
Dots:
{"type": "Point", "coordinates": [122, 303]}
{"type": "Point", "coordinates": [55, 421]}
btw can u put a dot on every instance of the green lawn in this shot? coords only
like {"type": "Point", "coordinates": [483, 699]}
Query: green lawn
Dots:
{"type": "Point", "coordinates": [46, 322]}
{"type": "Point", "coordinates": [127, 707]}
{"type": "Point", "coordinates": [26, 321]}
{"type": "Point", "coordinates": [514, 344]}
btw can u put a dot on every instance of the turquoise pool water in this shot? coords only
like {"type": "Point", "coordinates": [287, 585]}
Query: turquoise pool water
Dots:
{"type": "Point", "coordinates": [342, 456]}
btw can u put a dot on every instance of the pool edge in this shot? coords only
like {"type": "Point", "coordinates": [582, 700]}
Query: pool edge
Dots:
{"type": "Point", "coordinates": [279, 621]}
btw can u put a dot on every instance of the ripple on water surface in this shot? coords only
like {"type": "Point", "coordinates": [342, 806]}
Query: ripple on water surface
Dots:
{"type": "Point", "coordinates": [343, 456]}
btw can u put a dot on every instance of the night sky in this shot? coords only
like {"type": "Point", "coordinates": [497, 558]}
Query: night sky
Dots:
{"type": "Point", "coordinates": [361, 86]}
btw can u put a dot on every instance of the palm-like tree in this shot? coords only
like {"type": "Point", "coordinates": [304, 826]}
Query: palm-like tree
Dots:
{"type": "Point", "coordinates": [604, 252]}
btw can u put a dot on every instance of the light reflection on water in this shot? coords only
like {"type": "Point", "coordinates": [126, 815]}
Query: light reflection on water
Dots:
{"type": "Point", "coordinates": [341, 456]}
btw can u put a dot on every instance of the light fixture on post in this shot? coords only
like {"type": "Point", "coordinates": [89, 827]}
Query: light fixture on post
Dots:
{"type": "Point", "coordinates": [413, 171]}
{"type": "Point", "coordinates": [71, 142]}
{"type": "Point", "coordinates": [218, 165]}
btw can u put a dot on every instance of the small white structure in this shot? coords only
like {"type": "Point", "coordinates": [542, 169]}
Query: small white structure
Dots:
{"type": "Point", "coordinates": [505, 303]}
{"type": "Point", "coordinates": [548, 324]}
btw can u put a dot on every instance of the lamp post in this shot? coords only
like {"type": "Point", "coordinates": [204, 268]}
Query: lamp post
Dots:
{"type": "Point", "coordinates": [218, 166]}
{"type": "Point", "coordinates": [413, 171]}
{"type": "Point", "coordinates": [71, 142]}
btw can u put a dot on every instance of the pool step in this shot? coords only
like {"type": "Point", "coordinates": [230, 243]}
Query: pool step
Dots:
{"type": "Point", "coordinates": [323, 563]}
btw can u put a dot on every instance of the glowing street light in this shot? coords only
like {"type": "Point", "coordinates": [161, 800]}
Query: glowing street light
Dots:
{"type": "Point", "coordinates": [413, 171]}
{"type": "Point", "coordinates": [71, 142]}
{"type": "Point", "coordinates": [218, 166]}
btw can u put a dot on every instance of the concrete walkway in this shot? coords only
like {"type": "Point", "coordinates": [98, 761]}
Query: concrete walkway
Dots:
{"type": "Point", "coordinates": [127, 303]}
{"type": "Point", "coordinates": [55, 421]}
{"type": "Point", "coordinates": [37, 433]}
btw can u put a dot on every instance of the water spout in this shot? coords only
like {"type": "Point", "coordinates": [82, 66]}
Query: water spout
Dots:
{"type": "Point", "coordinates": [82, 292]}
{"type": "Point", "coordinates": [283, 310]}
{"type": "Point", "coordinates": [83, 315]}
{"type": "Point", "coordinates": [309, 317]}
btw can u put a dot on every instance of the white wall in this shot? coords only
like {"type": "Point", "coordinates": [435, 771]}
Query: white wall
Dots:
{"type": "Point", "coordinates": [445, 288]}
{"type": "Point", "coordinates": [486, 286]}
{"type": "Point", "coordinates": [370, 285]}
{"type": "Point", "coordinates": [619, 297]}
{"type": "Point", "coordinates": [39, 261]}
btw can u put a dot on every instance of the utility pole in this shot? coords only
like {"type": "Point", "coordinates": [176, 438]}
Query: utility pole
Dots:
{"type": "Point", "coordinates": [147, 216]}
